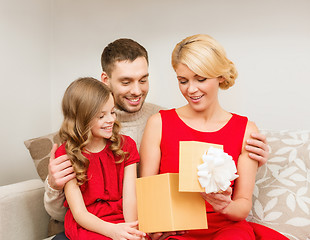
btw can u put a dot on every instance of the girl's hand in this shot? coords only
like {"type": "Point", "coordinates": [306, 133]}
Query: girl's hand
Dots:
{"type": "Point", "coordinates": [124, 231]}
{"type": "Point", "coordinates": [219, 201]}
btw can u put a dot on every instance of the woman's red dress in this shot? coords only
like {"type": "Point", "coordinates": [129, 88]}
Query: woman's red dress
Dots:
{"type": "Point", "coordinates": [231, 137]}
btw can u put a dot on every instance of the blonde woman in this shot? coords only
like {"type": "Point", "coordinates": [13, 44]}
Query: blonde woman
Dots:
{"type": "Point", "coordinates": [202, 68]}
{"type": "Point", "coordinates": [101, 199]}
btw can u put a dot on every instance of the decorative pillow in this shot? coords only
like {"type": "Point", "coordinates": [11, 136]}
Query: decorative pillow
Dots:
{"type": "Point", "coordinates": [40, 149]}
{"type": "Point", "coordinates": [282, 194]}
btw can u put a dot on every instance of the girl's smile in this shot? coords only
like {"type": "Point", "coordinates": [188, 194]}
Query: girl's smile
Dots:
{"type": "Point", "coordinates": [102, 126]}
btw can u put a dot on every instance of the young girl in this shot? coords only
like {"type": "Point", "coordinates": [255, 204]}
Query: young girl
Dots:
{"type": "Point", "coordinates": [101, 199]}
{"type": "Point", "coordinates": [202, 68]}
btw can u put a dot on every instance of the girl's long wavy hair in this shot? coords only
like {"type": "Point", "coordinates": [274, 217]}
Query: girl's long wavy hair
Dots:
{"type": "Point", "coordinates": [81, 103]}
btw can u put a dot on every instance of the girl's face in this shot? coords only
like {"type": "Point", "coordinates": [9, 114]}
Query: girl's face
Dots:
{"type": "Point", "coordinates": [200, 92]}
{"type": "Point", "coordinates": [102, 125]}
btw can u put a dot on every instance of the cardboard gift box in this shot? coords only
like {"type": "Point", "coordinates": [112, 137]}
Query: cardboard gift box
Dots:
{"type": "Point", "coordinates": [162, 208]}
{"type": "Point", "coordinates": [190, 156]}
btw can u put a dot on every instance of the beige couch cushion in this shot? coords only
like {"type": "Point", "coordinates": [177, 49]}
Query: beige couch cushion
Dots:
{"type": "Point", "coordinates": [40, 149]}
{"type": "Point", "coordinates": [22, 211]}
{"type": "Point", "coordinates": [282, 194]}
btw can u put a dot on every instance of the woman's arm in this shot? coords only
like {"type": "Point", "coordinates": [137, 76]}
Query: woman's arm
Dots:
{"type": "Point", "coordinates": [92, 222]}
{"type": "Point", "coordinates": [150, 152]}
{"type": "Point", "coordinates": [129, 193]}
{"type": "Point", "coordinates": [240, 205]}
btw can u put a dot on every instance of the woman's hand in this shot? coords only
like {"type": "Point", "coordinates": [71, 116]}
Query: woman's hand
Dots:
{"type": "Point", "coordinates": [161, 236]}
{"type": "Point", "coordinates": [124, 231]}
{"type": "Point", "coordinates": [219, 201]}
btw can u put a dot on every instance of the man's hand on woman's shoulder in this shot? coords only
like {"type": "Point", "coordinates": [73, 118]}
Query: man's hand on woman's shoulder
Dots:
{"type": "Point", "coordinates": [258, 148]}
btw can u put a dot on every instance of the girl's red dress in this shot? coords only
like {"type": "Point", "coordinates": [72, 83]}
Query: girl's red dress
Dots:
{"type": "Point", "coordinates": [102, 193]}
{"type": "Point", "coordinates": [231, 137]}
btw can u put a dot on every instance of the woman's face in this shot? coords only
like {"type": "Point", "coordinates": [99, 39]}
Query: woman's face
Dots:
{"type": "Point", "coordinates": [200, 92]}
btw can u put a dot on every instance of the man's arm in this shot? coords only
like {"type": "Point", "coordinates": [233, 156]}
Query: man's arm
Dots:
{"type": "Point", "coordinates": [60, 171]}
{"type": "Point", "coordinates": [257, 147]}
{"type": "Point", "coordinates": [54, 202]}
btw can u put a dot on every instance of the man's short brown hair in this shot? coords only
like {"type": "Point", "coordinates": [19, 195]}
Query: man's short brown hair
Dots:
{"type": "Point", "coordinates": [121, 50]}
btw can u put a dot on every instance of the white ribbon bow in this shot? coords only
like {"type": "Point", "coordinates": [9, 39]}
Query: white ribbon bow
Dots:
{"type": "Point", "coordinates": [216, 171]}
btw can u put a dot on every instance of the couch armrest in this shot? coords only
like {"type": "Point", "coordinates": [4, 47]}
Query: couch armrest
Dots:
{"type": "Point", "coordinates": [22, 213]}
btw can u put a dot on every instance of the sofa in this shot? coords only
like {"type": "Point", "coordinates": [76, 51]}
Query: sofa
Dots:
{"type": "Point", "coordinates": [281, 198]}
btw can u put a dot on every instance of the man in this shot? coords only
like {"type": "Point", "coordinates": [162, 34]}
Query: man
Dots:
{"type": "Point", "coordinates": [125, 70]}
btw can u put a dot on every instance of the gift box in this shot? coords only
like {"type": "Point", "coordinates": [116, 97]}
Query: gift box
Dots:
{"type": "Point", "coordinates": [191, 153]}
{"type": "Point", "coordinates": [162, 208]}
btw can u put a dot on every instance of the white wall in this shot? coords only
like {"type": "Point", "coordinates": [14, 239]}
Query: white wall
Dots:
{"type": "Point", "coordinates": [25, 83]}
{"type": "Point", "coordinates": [269, 41]}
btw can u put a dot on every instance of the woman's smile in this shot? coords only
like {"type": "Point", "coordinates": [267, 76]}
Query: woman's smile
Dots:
{"type": "Point", "coordinates": [196, 98]}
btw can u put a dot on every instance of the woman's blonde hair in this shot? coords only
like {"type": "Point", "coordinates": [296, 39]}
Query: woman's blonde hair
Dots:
{"type": "Point", "coordinates": [205, 57]}
{"type": "Point", "coordinates": [82, 102]}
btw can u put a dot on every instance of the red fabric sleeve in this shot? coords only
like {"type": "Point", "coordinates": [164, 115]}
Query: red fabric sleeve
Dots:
{"type": "Point", "coordinates": [60, 151]}
{"type": "Point", "coordinates": [130, 147]}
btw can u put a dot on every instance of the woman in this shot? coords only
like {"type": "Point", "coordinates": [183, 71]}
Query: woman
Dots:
{"type": "Point", "coordinates": [202, 68]}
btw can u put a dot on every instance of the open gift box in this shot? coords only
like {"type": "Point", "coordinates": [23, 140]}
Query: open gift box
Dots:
{"type": "Point", "coordinates": [171, 201]}
{"type": "Point", "coordinates": [162, 208]}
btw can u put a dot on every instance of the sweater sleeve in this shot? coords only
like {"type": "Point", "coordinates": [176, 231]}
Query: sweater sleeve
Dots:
{"type": "Point", "coordinates": [54, 202]}
{"type": "Point", "coordinates": [54, 199]}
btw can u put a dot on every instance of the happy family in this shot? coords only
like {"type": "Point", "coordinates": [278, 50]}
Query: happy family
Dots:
{"type": "Point", "coordinates": [109, 131]}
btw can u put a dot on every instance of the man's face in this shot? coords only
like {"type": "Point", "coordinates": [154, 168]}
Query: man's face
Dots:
{"type": "Point", "coordinates": [129, 84]}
